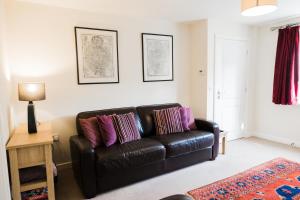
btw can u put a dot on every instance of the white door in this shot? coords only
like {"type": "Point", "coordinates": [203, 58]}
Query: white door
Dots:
{"type": "Point", "coordinates": [231, 58]}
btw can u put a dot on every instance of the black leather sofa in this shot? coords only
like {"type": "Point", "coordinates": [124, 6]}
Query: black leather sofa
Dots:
{"type": "Point", "coordinates": [102, 169]}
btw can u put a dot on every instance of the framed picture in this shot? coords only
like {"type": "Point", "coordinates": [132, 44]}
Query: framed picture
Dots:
{"type": "Point", "coordinates": [157, 57]}
{"type": "Point", "coordinates": [97, 55]}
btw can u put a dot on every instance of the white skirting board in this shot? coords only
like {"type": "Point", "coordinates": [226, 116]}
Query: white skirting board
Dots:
{"type": "Point", "coordinates": [287, 141]}
{"type": "Point", "coordinates": [63, 166]}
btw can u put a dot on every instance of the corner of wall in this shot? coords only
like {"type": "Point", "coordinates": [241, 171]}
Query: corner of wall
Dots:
{"type": "Point", "coordinates": [198, 32]}
{"type": "Point", "coordinates": [4, 103]}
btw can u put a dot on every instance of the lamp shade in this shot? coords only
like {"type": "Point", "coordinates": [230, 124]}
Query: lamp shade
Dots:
{"type": "Point", "coordinates": [258, 7]}
{"type": "Point", "coordinates": [32, 91]}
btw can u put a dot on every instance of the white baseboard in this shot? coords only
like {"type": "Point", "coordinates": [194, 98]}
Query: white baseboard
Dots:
{"type": "Point", "coordinates": [64, 166]}
{"type": "Point", "coordinates": [282, 140]}
{"type": "Point", "coordinates": [239, 136]}
{"type": "Point", "coordinates": [247, 135]}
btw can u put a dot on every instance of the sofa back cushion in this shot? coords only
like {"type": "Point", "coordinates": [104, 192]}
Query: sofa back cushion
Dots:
{"type": "Point", "coordinates": [147, 117]}
{"type": "Point", "coordinates": [88, 114]}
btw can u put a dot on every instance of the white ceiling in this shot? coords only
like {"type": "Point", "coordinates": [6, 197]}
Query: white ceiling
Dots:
{"type": "Point", "coordinates": [177, 10]}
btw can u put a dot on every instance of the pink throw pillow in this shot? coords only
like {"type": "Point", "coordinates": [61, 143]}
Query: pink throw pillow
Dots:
{"type": "Point", "coordinates": [184, 119]}
{"type": "Point", "coordinates": [191, 119]}
{"type": "Point", "coordinates": [91, 131]}
{"type": "Point", "coordinates": [107, 130]}
{"type": "Point", "coordinates": [187, 119]}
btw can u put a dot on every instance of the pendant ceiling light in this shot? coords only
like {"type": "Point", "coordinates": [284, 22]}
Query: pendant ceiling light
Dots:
{"type": "Point", "coordinates": [258, 7]}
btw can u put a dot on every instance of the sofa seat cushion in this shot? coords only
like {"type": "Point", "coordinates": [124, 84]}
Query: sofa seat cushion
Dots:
{"type": "Point", "coordinates": [131, 154]}
{"type": "Point", "coordinates": [182, 143]}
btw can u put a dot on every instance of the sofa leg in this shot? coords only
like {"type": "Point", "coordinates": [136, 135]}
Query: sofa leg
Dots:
{"type": "Point", "coordinates": [213, 157]}
{"type": "Point", "coordinates": [89, 196]}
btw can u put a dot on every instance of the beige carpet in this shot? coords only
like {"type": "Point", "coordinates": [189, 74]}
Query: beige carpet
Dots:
{"type": "Point", "coordinates": [241, 155]}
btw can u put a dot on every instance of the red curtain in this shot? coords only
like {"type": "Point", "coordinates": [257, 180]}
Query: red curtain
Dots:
{"type": "Point", "coordinates": [286, 76]}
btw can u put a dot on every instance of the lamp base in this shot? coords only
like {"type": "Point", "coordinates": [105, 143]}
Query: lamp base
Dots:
{"type": "Point", "coordinates": [31, 119]}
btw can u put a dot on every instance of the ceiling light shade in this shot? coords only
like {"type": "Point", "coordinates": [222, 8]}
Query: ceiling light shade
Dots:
{"type": "Point", "coordinates": [258, 7]}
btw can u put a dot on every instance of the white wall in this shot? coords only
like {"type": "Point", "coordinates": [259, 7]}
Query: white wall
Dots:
{"type": "Point", "coordinates": [4, 108]}
{"type": "Point", "coordinates": [273, 122]}
{"type": "Point", "coordinates": [42, 48]}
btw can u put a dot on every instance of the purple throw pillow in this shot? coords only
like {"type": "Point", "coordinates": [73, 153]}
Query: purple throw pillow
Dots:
{"type": "Point", "coordinates": [184, 118]}
{"type": "Point", "coordinates": [126, 127]}
{"type": "Point", "coordinates": [91, 131]}
{"type": "Point", "coordinates": [107, 130]}
{"type": "Point", "coordinates": [191, 119]}
{"type": "Point", "coordinates": [168, 121]}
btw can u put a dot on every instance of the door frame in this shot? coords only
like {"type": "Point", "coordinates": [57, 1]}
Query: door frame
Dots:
{"type": "Point", "coordinates": [218, 36]}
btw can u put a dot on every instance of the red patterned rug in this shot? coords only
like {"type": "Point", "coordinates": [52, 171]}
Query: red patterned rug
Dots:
{"type": "Point", "coordinates": [276, 179]}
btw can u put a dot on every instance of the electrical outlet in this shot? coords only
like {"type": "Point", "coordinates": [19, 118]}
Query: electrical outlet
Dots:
{"type": "Point", "coordinates": [293, 144]}
{"type": "Point", "coordinates": [55, 138]}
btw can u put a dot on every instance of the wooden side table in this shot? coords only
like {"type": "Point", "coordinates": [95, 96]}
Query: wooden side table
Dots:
{"type": "Point", "coordinates": [223, 141]}
{"type": "Point", "coordinates": [28, 150]}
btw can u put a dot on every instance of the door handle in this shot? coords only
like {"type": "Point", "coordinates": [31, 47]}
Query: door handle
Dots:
{"type": "Point", "coordinates": [218, 94]}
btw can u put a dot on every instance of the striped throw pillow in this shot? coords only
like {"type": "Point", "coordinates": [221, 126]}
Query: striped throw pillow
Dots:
{"type": "Point", "coordinates": [168, 121]}
{"type": "Point", "coordinates": [126, 128]}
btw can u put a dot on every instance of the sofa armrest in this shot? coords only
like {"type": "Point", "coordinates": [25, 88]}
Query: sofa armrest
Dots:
{"type": "Point", "coordinates": [84, 166]}
{"type": "Point", "coordinates": [213, 128]}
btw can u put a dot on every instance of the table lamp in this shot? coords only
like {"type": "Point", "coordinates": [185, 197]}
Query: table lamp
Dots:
{"type": "Point", "coordinates": [31, 92]}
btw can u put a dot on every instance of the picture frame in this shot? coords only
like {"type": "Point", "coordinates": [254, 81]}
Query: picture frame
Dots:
{"type": "Point", "coordinates": [97, 55]}
{"type": "Point", "coordinates": [157, 50]}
